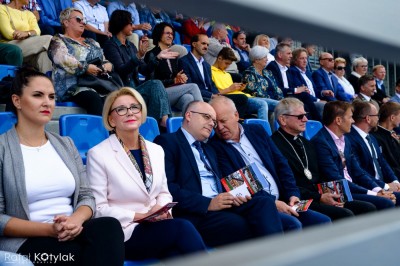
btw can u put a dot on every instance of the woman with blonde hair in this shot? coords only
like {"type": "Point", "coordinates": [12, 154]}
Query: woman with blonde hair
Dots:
{"type": "Point", "coordinates": [263, 40]}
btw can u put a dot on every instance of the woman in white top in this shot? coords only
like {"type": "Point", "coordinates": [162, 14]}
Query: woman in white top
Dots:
{"type": "Point", "coordinates": [340, 71]}
{"type": "Point", "coordinates": [47, 206]}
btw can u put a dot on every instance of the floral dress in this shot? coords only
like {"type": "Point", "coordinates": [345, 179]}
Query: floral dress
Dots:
{"type": "Point", "coordinates": [263, 86]}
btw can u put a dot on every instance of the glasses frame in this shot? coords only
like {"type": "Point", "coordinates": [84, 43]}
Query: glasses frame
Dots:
{"type": "Point", "coordinates": [132, 107]}
{"type": "Point", "coordinates": [329, 59]}
{"type": "Point", "coordinates": [340, 68]}
{"type": "Point", "coordinates": [299, 117]}
{"type": "Point", "coordinates": [206, 117]}
{"type": "Point", "coordinates": [79, 19]}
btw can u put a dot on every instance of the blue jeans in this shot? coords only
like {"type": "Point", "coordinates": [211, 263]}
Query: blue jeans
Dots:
{"type": "Point", "coordinates": [261, 106]}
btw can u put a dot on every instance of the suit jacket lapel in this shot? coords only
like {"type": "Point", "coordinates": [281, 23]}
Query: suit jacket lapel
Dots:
{"type": "Point", "coordinates": [187, 150]}
{"type": "Point", "coordinates": [125, 162]}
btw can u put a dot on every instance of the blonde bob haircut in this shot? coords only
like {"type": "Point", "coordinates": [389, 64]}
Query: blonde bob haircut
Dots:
{"type": "Point", "coordinates": [114, 96]}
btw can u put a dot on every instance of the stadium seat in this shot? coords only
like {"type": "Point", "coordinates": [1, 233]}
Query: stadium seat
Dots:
{"type": "Point", "coordinates": [262, 122]}
{"type": "Point", "coordinates": [149, 130]}
{"type": "Point", "coordinates": [276, 124]}
{"type": "Point", "coordinates": [7, 121]}
{"type": "Point", "coordinates": [174, 123]}
{"type": "Point", "coordinates": [188, 47]}
{"type": "Point", "coordinates": [67, 104]}
{"type": "Point", "coordinates": [7, 70]}
{"type": "Point", "coordinates": [312, 128]}
{"type": "Point", "coordinates": [85, 130]}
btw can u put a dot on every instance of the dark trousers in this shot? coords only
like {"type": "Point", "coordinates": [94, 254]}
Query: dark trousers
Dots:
{"type": "Point", "coordinates": [309, 105]}
{"type": "Point", "coordinates": [163, 239]}
{"type": "Point", "coordinates": [90, 100]}
{"type": "Point", "coordinates": [101, 242]}
{"type": "Point", "coordinates": [255, 218]}
{"type": "Point", "coordinates": [350, 209]}
{"type": "Point", "coordinates": [10, 54]}
{"type": "Point", "coordinates": [379, 202]}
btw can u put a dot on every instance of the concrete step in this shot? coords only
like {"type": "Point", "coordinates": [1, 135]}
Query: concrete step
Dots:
{"type": "Point", "coordinates": [53, 126]}
{"type": "Point", "coordinates": [63, 110]}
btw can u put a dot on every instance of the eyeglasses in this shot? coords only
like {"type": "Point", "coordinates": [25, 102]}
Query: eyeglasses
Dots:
{"type": "Point", "coordinates": [79, 19]}
{"type": "Point", "coordinates": [169, 33]}
{"type": "Point", "coordinates": [363, 66]}
{"type": "Point", "coordinates": [329, 59]}
{"type": "Point", "coordinates": [123, 110]}
{"type": "Point", "coordinates": [300, 117]}
{"type": "Point", "coordinates": [340, 68]}
{"type": "Point", "coordinates": [206, 117]}
{"type": "Point", "coordinates": [378, 115]}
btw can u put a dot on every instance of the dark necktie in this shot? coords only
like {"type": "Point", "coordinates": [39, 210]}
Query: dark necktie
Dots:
{"type": "Point", "coordinates": [203, 158]}
{"type": "Point", "coordinates": [375, 157]}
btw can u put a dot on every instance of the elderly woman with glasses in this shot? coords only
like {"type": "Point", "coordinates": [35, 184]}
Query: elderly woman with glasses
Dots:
{"type": "Point", "coordinates": [72, 55]}
{"type": "Point", "coordinates": [127, 175]}
{"type": "Point", "coordinates": [360, 68]}
{"type": "Point", "coordinates": [339, 72]}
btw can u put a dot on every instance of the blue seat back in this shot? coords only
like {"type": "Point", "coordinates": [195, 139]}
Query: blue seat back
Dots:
{"type": "Point", "coordinates": [262, 122]}
{"type": "Point", "coordinates": [149, 130]}
{"type": "Point", "coordinates": [174, 123]}
{"type": "Point", "coordinates": [85, 130]}
{"type": "Point", "coordinates": [312, 128]}
{"type": "Point", "coordinates": [7, 121]}
{"type": "Point", "coordinates": [67, 104]}
{"type": "Point", "coordinates": [7, 70]}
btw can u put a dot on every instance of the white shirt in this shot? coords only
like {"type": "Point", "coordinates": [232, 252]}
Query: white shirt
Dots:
{"type": "Point", "coordinates": [250, 155]}
{"type": "Point", "coordinates": [308, 82]}
{"type": "Point", "coordinates": [283, 70]}
{"type": "Point", "coordinates": [367, 98]}
{"type": "Point", "coordinates": [199, 64]}
{"type": "Point", "coordinates": [95, 16]}
{"type": "Point", "coordinates": [346, 85]}
{"type": "Point", "coordinates": [49, 183]}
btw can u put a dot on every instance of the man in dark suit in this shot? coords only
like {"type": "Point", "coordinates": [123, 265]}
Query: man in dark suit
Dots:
{"type": "Point", "coordinates": [194, 182]}
{"type": "Point", "coordinates": [199, 71]}
{"type": "Point", "coordinates": [326, 84]}
{"type": "Point", "coordinates": [366, 85]}
{"type": "Point", "coordinates": [366, 149]}
{"type": "Point", "coordinates": [243, 48]}
{"type": "Point", "coordinates": [283, 78]}
{"type": "Point", "coordinates": [240, 145]}
{"type": "Point", "coordinates": [302, 159]}
{"type": "Point", "coordinates": [379, 72]}
{"type": "Point", "coordinates": [336, 160]}
{"type": "Point", "coordinates": [387, 138]}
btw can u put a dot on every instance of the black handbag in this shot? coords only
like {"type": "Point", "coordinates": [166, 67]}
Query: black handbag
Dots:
{"type": "Point", "coordinates": [103, 83]}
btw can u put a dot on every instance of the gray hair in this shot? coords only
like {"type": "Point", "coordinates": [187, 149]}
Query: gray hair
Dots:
{"type": "Point", "coordinates": [258, 52]}
{"type": "Point", "coordinates": [286, 106]}
{"type": "Point", "coordinates": [222, 100]}
{"type": "Point", "coordinates": [358, 61]}
{"type": "Point", "coordinates": [218, 26]}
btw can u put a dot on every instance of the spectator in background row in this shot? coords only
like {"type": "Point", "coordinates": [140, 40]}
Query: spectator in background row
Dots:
{"type": "Point", "coordinates": [191, 27]}
{"type": "Point", "coordinates": [153, 16]}
{"type": "Point", "coordinates": [49, 22]}
{"type": "Point", "coordinates": [264, 40]}
{"type": "Point", "coordinates": [70, 53]}
{"type": "Point", "coordinates": [243, 48]}
{"type": "Point", "coordinates": [367, 87]}
{"type": "Point", "coordinates": [396, 97]}
{"type": "Point", "coordinates": [310, 48]}
{"type": "Point", "coordinates": [360, 68]}
{"type": "Point", "coordinates": [379, 72]}
{"type": "Point", "coordinates": [199, 71]}
{"type": "Point", "coordinates": [21, 28]}
{"type": "Point", "coordinates": [137, 26]}
{"type": "Point", "coordinates": [339, 73]}
{"type": "Point", "coordinates": [128, 62]}
{"type": "Point", "coordinates": [96, 20]}
{"type": "Point", "coordinates": [32, 6]}
{"type": "Point", "coordinates": [285, 40]}
{"type": "Point", "coordinates": [180, 93]}
{"type": "Point", "coordinates": [10, 54]}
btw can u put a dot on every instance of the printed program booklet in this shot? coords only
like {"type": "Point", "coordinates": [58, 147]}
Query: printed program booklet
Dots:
{"type": "Point", "coordinates": [338, 187]}
{"type": "Point", "coordinates": [245, 181]}
{"type": "Point", "coordinates": [302, 205]}
{"type": "Point", "coordinates": [152, 217]}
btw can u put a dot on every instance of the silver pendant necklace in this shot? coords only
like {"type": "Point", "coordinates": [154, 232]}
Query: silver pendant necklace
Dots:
{"type": "Point", "coordinates": [307, 172]}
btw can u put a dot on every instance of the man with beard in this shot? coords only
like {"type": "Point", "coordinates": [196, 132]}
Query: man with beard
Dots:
{"type": "Point", "coordinates": [366, 148]}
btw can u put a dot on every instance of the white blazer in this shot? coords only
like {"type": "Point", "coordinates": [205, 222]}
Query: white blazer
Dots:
{"type": "Point", "coordinates": [117, 185]}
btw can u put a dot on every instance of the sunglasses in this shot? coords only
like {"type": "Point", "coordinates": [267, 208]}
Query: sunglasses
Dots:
{"type": "Point", "coordinates": [340, 68]}
{"type": "Point", "coordinates": [300, 117]}
{"type": "Point", "coordinates": [79, 19]}
{"type": "Point", "coordinates": [329, 59]}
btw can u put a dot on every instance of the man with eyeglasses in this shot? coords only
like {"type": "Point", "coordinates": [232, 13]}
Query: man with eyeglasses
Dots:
{"type": "Point", "coordinates": [367, 86]}
{"type": "Point", "coordinates": [326, 84]}
{"type": "Point", "coordinates": [194, 182]}
{"type": "Point", "coordinates": [360, 68]}
{"type": "Point", "coordinates": [366, 148]}
{"type": "Point", "coordinates": [336, 160]}
{"type": "Point", "coordinates": [302, 159]}
{"type": "Point", "coordinates": [240, 145]}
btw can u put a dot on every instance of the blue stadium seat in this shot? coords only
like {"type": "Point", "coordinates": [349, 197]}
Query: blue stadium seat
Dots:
{"type": "Point", "coordinates": [7, 70]}
{"type": "Point", "coordinates": [276, 124]}
{"type": "Point", "coordinates": [141, 263]}
{"type": "Point", "coordinates": [7, 121]}
{"type": "Point", "coordinates": [85, 130]}
{"type": "Point", "coordinates": [67, 104]}
{"type": "Point", "coordinates": [262, 122]}
{"type": "Point", "coordinates": [312, 128]}
{"type": "Point", "coordinates": [177, 38]}
{"type": "Point", "coordinates": [188, 47]}
{"type": "Point", "coordinates": [149, 130]}
{"type": "Point", "coordinates": [174, 123]}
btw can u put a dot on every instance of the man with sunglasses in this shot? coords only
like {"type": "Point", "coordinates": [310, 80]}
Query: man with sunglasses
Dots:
{"type": "Point", "coordinates": [302, 159]}
{"type": "Point", "coordinates": [367, 151]}
{"type": "Point", "coordinates": [194, 182]}
{"type": "Point", "coordinates": [239, 145]}
{"type": "Point", "coordinates": [326, 84]}
{"type": "Point", "coordinates": [337, 161]}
